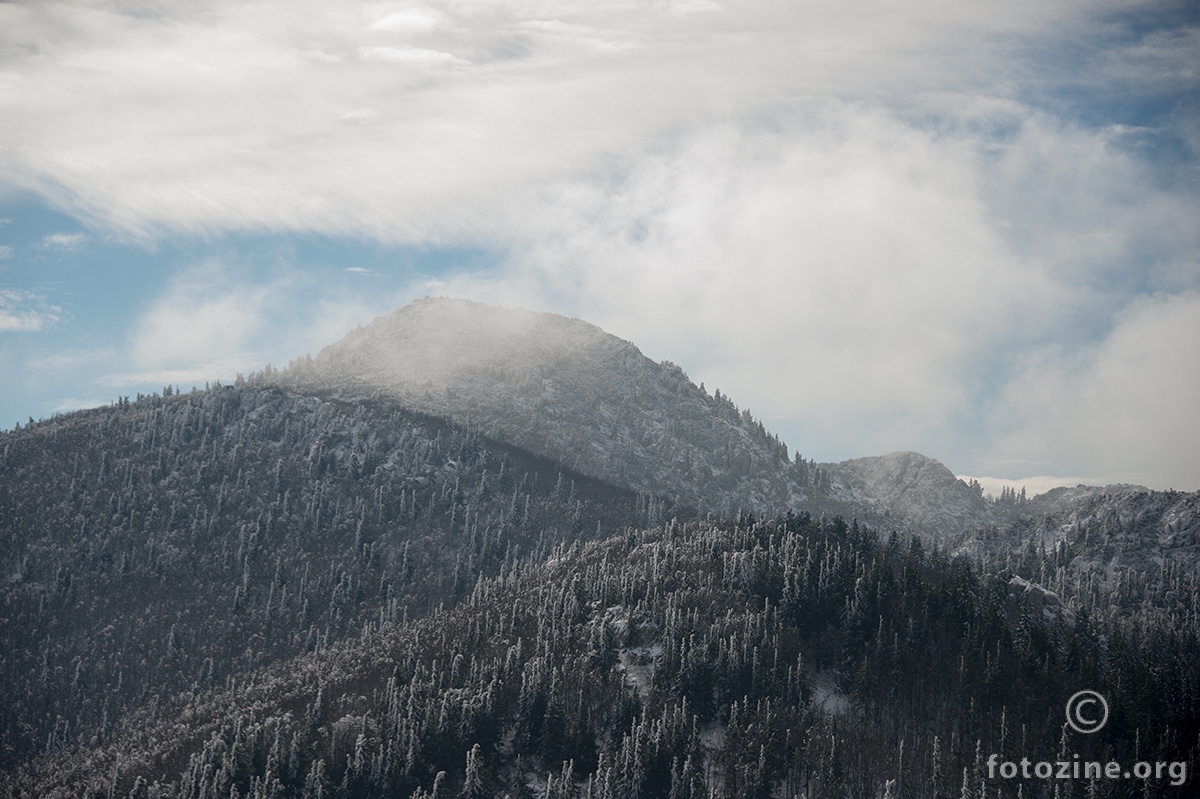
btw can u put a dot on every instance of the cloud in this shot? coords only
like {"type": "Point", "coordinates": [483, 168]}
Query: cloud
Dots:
{"type": "Point", "coordinates": [1032, 485]}
{"type": "Point", "coordinates": [407, 20]}
{"type": "Point", "coordinates": [68, 404]}
{"type": "Point", "coordinates": [358, 114]}
{"type": "Point", "coordinates": [819, 253]}
{"type": "Point", "coordinates": [69, 361]}
{"type": "Point", "coordinates": [5, 252]}
{"type": "Point", "coordinates": [202, 324]}
{"type": "Point", "coordinates": [411, 56]}
{"type": "Point", "coordinates": [212, 322]}
{"type": "Point", "coordinates": [1125, 407]}
{"type": "Point", "coordinates": [865, 285]}
{"type": "Point", "coordinates": [232, 117]}
{"type": "Point", "coordinates": [64, 241]}
{"type": "Point", "coordinates": [26, 311]}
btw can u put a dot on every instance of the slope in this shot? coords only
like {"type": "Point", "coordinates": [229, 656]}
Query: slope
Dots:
{"type": "Point", "coordinates": [917, 489]}
{"type": "Point", "coordinates": [567, 390]}
{"type": "Point", "coordinates": [784, 657]}
{"type": "Point", "coordinates": [180, 543]}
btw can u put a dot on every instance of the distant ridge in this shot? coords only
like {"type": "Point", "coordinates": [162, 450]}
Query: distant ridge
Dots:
{"type": "Point", "coordinates": [916, 488]}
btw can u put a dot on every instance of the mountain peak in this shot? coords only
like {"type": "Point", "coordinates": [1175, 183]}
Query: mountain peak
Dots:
{"type": "Point", "coordinates": [444, 340]}
{"type": "Point", "coordinates": [915, 487]}
{"type": "Point", "coordinates": [565, 389]}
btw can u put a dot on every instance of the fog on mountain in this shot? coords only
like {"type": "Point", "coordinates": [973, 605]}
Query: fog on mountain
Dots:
{"type": "Point", "coordinates": [474, 551]}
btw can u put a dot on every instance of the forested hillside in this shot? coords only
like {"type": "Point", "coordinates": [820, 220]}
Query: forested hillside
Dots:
{"type": "Point", "coordinates": [472, 552]}
{"type": "Point", "coordinates": [180, 543]}
{"type": "Point", "coordinates": [786, 657]}
{"type": "Point", "coordinates": [1101, 531]}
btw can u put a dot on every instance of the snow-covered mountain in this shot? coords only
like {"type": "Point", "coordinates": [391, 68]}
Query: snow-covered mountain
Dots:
{"type": "Point", "coordinates": [565, 389]}
{"type": "Point", "coordinates": [1097, 529]}
{"type": "Point", "coordinates": [915, 488]}
{"type": "Point", "coordinates": [308, 584]}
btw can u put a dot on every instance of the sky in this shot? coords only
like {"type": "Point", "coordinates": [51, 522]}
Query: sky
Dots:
{"type": "Point", "coordinates": [970, 230]}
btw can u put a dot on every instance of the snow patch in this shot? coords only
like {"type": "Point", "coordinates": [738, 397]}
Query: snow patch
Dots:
{"type": "Point", "coordinates": [827, 696]}
{"type": "Point", "coordinates": [637, 664]}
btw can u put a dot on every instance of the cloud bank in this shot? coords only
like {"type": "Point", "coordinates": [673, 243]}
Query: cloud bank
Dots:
{"type": "Point", "coordinates": [923, 227]}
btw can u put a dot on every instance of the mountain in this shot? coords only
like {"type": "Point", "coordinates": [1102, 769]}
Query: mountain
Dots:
{"type": "Point", "coordinates": [469, 551]}
{"type": "Point", "coordinates": [569, 391]}
{"type": "Point", "coordinates": [735, 659]}
{"type": "Point", "coordinates": [1103, 530]}
{"type": "Point", "coordinates": [914, 488]}
{"type": "Point", "coordinates": [176, 544]}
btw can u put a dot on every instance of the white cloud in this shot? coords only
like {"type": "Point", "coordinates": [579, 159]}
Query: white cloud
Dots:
{"type": "Point", "coordinates": [818, 254]}
{"type": "Point", "coordinates": [64, 241]}
{"type": "Point", "coordinates": [68, 404]}
{"type": "Point", "coordinates": [212, 323]}
{"type": "Point", "coordinates": [5, 252]}
{"type": "Point", "coordinates": [358, 114]}
{"type": "Point", "coordinates": [229, 117]}
{"type": "Point", "coordinates": [202, 325]}
{"type": "Point", "coordinates": [411, 56]}
{"type": "Point", "coordinates": [406, 19]}
{"type": "Point", "coordinates": [1126, 407]}
{"type": "Point", "coordinates": [68, 361]}
{"type": "Point", "coordinates": [864, 285]}
{"type": "Point", "coordinates": [1032, 485]}
{"type": "Point", "coordinates": [26, 311]}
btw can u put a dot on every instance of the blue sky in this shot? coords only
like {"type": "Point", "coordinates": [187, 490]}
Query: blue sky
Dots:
{"type": "Point", "coordinates": [963, 229]}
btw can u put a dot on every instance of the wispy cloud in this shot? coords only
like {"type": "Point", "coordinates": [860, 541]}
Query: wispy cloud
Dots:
{"type": "Point", "coordinates": [5, 252]}
{"type": "Point", "coordinates": [68, 404]}
{"type": "Point", "coordinates": [64, 241]}
{"type": "Point", "coordinates": [26, 311]}
{"type": "Point", "coordinates": [68, 361]}
{"type": "Point", "coordinates": [1125, 406]}
{"type": "Point", "coordinates": [1032, 485]}
{"type": "Point", "coordinates": [202, 325]}
{"type": "Point", "coordinates": [874, 287]}
{"type": "Point", "coordinates": [212, 322]}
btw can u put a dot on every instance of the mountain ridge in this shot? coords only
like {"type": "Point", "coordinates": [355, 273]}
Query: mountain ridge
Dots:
{"type": "Point", "coordinates": [568, 390]}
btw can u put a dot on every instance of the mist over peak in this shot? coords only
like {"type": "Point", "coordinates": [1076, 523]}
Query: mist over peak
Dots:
{"type": "Point", "coordinates": [567, 390]}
